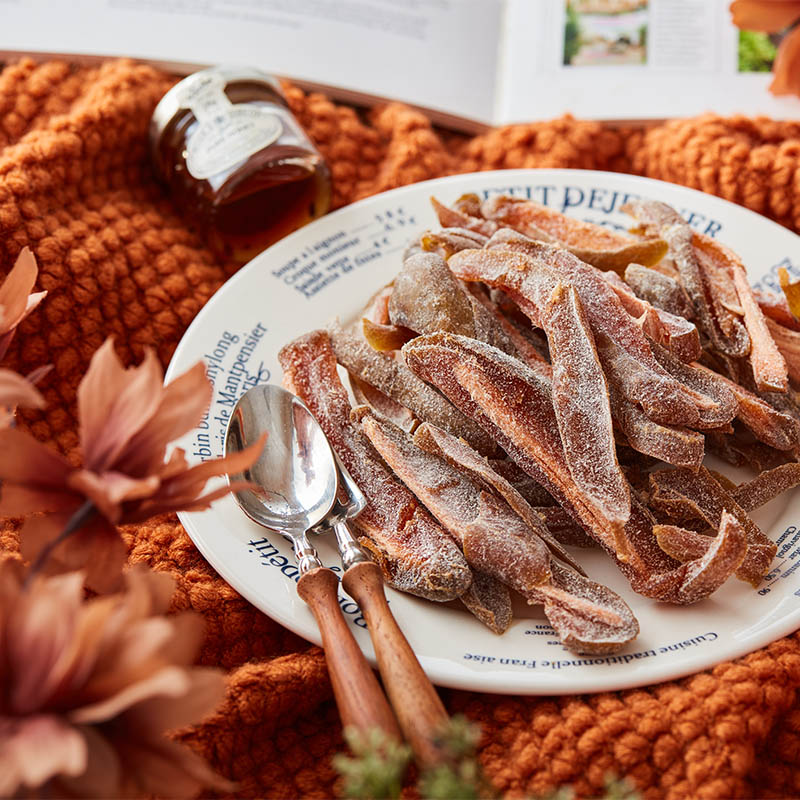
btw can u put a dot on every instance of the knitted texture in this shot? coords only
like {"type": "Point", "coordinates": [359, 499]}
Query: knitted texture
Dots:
{"type": "Point", "coordinates": [116, 258]}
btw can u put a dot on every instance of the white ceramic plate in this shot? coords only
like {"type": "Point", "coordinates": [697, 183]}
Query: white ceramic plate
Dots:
{"type": "Point", "coordinates": [330, 268]}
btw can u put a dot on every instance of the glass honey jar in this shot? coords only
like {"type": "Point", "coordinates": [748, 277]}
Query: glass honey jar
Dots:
{"type": "Point", "coordinates": [236, 161]}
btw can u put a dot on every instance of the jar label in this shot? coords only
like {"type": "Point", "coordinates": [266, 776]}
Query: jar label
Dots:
{"type": "Point", "coordinates": [227, 133]}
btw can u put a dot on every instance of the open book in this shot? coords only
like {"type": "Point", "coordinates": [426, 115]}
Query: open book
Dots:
{"type": "Point", "coordinates": [468, 63]}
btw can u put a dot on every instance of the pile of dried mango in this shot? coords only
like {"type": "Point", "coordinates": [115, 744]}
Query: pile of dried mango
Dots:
{"type": "Point", "coordinates": [529, 381]}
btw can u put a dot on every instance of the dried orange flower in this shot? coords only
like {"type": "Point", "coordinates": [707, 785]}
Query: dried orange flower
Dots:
{"type": "Point", "coordinates": [88, 689]}
{"type": "Point", "coordinates": [16, 300]}
{"type": "Point", "coordinates": [774, 16]}
{"type": "Point", "coordinates": [127, 419]}
{"type": "Point", "coordinates": [16, 391]}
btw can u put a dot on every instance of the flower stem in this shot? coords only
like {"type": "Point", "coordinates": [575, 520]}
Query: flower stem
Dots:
{"type": "Point", "coordinates": [78, 519]}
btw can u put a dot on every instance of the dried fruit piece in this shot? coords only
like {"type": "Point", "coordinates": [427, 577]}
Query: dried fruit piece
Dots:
{"type": "Point", "coordinates": [455, 218]}
{"type": "Point", "coordinates": [788, 343]}
{"type": "Point", "coordinates": [489, 601]}
{"type": "Point", "coordinates": [769, 367]}
{"type": "Point", "coordinates": [767, 486]}
{"type": "Point", "coordinates": [587, 616]}
{"type": "Point", "coordinates": [370, 396]}
{"type": "Point", "coordinates": [646, 252]}
{"type": "Point", "coordinates": [776, 307]}
{"type": "Point", "coordinates": [659, 290]}
{"type": "Point", "coordinates": [768, 425]}
{"type": "Point", "coordinates": [461, 456]}
{"type": "Point", "coordinates": [659, 218]}
{"type": "Point", "coordinates": [428, 298]}
{"type": "Point", "coordinates": [385, 338]}
{"type": "Point", "coordinates": [678, 446]}
{"type": "Point", "coordinates": [711, 500]}
{"type": "Point", "coordinates": [675, 333]}
{"type": "Point", "coordinates": [717, 405]}
{"type": "Point", "coordinates": [509, 551]}
{"type": "Point", "coordinates": [414, 553]}
{"type": "Point", "coordinates": [533, 219]}
{"type": "Point", "coordinates": [563, 528]}
{"type": "Point", "coordinates": [791, 291]}
{"type": "Point", "coordinates": [736, 450]}
{"type": "Point", "coordinates": [681, 544]}
{"type": "Point", "coordinates": [394, 379]}
{"type": "Point", "coordinates": [447, 241]}
{"type": "Point", "coordinates": [580, 401]}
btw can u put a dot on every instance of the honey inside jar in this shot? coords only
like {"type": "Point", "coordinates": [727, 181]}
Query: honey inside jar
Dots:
{"type": "Point", "coordinates": [236, 160]}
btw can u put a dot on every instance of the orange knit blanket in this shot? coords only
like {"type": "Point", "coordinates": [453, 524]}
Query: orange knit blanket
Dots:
{"type": "Point", "coordinates": [116, 258]}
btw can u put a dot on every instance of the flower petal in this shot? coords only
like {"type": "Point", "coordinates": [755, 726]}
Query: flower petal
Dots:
{"type": "Point", "coordinates": [15, 289]}
{"type": "Point", "coordinates": [19, 501]}
{"type": "Point", "coordinates": [787, 65]}
{"type": "Point", "coordinates": [26, 461]}
{"type": "Point", "coordinates": [96, 548]}
{"type": "Point", "coordinates": [35, 749]}
{"type": "Point", "coordinates": [770, 16]}
{"type": "Point", "coordinates": [169, 682]}
{"type": "Point", "coordinates": [37, 634]}
{"type": "Point", "coordinates": [183, 403]}
{"type": "Point", "coordinates": [17, 391]}
{"type": "Point", "coordinates": [101, 778]}
{"type": "Point", "coordinates": [109, 490]}
{"type": "Point", "coordinates": [114, 404]}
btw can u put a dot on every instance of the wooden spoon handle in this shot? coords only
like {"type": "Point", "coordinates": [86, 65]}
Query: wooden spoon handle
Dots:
{"type": "Point", "coordinates": [419, 709]}
{"type": "Point", "coordinates": [361, 701]}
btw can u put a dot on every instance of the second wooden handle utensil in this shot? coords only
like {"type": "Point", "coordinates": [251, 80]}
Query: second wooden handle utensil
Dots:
{"type": "Point", "coordinates": [419, 710]}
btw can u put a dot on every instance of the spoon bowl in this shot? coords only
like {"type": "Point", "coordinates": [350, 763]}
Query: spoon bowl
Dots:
{"type": "Point", "coordinates": [295, 476]}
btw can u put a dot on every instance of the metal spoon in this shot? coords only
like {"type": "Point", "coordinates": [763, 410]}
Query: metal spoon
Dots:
{"type": "Point", "coordinates": [297, 480]}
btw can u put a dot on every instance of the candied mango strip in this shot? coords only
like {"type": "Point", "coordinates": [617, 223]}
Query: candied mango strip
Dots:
{"type": "Point", "coordinates": [447, 241]}
{"type": "Point", "coordinates": [533, 493]}
{"type": "Point", "coordinates": [394, 379]}
{"type": "Point", "coordinates": [720, 405]}
{"type": "Point", "coordinates": [530, 280]}
{"type": "Point", "coordinates": [659, 290]}
{"type": "Point", "coordinates": [675, 333]}
{"type": "Point", "coordinates": [734, 450]}
{"type": "Point", "coordinates": [768, 425]}
{"type": "Point", "coordinates": [776, 307]}
{"type": "Point", "coordinates": [681, 544]}
{"type": "Point", "coordinates": [455, 218]}
{"type": "Point", "coordinates": [377, 308]}
{"type": "Point", "coordinates": [415, 554]}
{"type": "Point", "coordinates": [385, 338]}
{"type": "Point", "coordinates": [580, 400]}
{"type": "Point", "coordinates": [508, 552]}
{"type": "Point", "coordinates": [460, 455]}
{"type": "Point", "coordinates": [791, 291]}
{"type": "Point", "coordinates": [529, 218]}
{"type": "Point", "coordinates": [674, 445]}
{"type": "Point", "coordinates": [660, 219]}
{"type": "Point", "coordinates": [523, 346]}
{"type": "Point", "coordinates": [712, 500]}
{"type": "Point", "coordinates": [428, 298]}
{"type": "Point", "coordinates": [489, 601]}
{"type": "Point", "coordinates": [788, 344]}
{"type": "Point", "coordinates": [646, 252]}
{"type": "Point", "coordinates": [767, 486]}
{"type": "Point", "coordinates": [370, 396]}
{"type": "Point", "coordinates": [563, 528]}
{"type": "Point", "coordinates": [587, 616]}
{"type": "Point", "coordinates": [769, 367]}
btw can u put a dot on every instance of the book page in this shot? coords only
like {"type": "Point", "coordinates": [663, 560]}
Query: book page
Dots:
{"type": "Point", "coordinates": [632, 59]}
{"type": "Point", "coordinates": [440, 54]}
